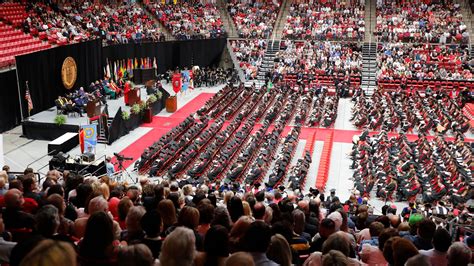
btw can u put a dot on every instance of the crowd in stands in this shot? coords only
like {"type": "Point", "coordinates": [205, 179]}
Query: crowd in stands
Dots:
{"type": "Point", "coordinates": [423, 62]}
{"type": "Point", "coordinates": [250, 54]}
{"type": "Point", "coordinates": [420, 21]}
{"type": "Point", "coordinates": [315, 59]}
{"type": "Point", "coordinates": [72, 220]}
{"type": "Point", "coordinates": [187, 21]}
{"type": "Point", "coordinates": [324, 58]}
{"type": "Point", "coordinates": [205, 76]}
{"type": "Point", "coordinates": [400, 169]}
{"type": "Point", "coordinates": [81, 21]}
{"type": "Point", "coordinates": [409, 111]}
{"type": "Point", "coordinates": [328, 20]}
{"type": "Point", "coordinates": [253, 19]}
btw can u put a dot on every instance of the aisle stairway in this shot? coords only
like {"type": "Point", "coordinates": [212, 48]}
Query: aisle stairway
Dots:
{"type": "Point", "coordinates": [281, 20]}
{"type": "Point", "coordinates": [267, 65]}
{"type": "Point", "coordinates": [369, 67]}
{"type": "Point", "coordinates": [370, 19]}
{"type": "Point", "coordinates": [227, 21]}
{"type": "Point", "coordinates": [168, 35]}
{"type": "Point", "coordinates": [467, 18]}
{"type": "Point", "coordinates": [471, 54]}
{"type": "Point", "coordinates": [235, 61]}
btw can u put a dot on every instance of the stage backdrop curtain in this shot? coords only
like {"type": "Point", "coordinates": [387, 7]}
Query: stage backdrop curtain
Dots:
{"type": "Point", "coordinates": [43, 71]}
{"type": "Point", "coordinates": [9, 105]}
{"type": "Point", "coordinates": [170, 55]}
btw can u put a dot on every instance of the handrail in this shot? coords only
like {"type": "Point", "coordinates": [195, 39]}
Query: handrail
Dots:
{"type": "Point", "coordinates": [103, 157]}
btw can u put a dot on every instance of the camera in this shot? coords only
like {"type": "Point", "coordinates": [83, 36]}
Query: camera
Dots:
{"type": "Point", "coordinates": [120, 157]}
{"type": "Point", "coordinates": [315, 191]}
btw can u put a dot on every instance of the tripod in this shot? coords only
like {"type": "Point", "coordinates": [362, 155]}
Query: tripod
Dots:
{"type": "Point", "coordinates": [123, 172]}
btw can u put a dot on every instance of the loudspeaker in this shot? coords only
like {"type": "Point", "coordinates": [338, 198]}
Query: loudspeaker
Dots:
{"type": "Point", "coordinates": [88, 157]}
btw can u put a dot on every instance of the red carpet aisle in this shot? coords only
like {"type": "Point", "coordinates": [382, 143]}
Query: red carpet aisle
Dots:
{"type": "Point", "coordinates": [161, 125]}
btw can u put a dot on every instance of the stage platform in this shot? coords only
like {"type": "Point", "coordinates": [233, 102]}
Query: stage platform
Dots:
{"type": "Point", "coordinates": [41, 126]}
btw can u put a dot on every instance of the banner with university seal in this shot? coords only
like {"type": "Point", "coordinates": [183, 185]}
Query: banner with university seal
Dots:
{"type": "Point", "coordinates": [69, 72]}
{"type": "Point", "coordinates": [88, 138]}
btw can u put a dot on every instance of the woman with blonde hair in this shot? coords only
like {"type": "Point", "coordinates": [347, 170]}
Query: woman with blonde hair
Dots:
{"type": "Point", "coordinates": [279, 250]}
{"type": "Point", "coordinates": [247, 210]}
{"type": "Point", "coordinates": [49, 252]}
{"type": "Point", "coordinates": [178, 248]}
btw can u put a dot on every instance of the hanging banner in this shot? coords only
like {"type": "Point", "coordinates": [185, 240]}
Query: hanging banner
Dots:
{"type": "Point", "coordinates": [176, 80]}
{"type": "Point", "coordinates": [88, 138]}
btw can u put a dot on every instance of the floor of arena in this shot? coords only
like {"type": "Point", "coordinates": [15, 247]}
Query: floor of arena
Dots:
{"type": "Point", "coordinates": [21, 153]}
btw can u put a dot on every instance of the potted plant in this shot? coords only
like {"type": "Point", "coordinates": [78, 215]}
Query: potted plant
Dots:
{"type": "Point", "coordinates": [135, 110]}
{"type": "Point", "coordinates": [135, 117]}
{"type": "Point", "coordinates": [60, 120]}
{"type": "Point", "coordinates": [152, 99]}
{"type": "Point", "coordinates": [159, 95]}
{"type": "Point", "coordinates": [125, 115]}
{"type": "Point", "coordinates": [148, 109]}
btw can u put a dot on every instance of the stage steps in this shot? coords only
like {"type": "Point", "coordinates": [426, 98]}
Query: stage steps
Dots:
{"type": "Point", "coordinates": [369, 68]}
{"type": "Point", "coordinates": [102, 137]}
{"type": "Point", "coordinates": [267, 65]}
{"type": "Point", "coordinates": [227, 21]}
{"type": "Point", "coordinates": [281, 20]}
{"type": "Point", "coordinates": [370, 19]}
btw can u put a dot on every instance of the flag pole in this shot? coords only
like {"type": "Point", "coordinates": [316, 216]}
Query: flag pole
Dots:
{"type": "Point", "coordinates": [19, 94]}
{"type": "Point", "coordinates": [28, 89]}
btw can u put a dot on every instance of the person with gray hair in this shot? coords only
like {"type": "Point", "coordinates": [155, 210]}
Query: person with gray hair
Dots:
{"type": "Point", "coordinates": [97, 204]}
{"type": "Point", "coordinates": [138, 254]}
{"type": "Point", "coordinates": [47, 221]}
{"type": "Point", "coordinates": [178, 248]}
{"type": "Point", "coordinates": [134, 230]}
{"type": "Point", "coordinates": [459, 254]}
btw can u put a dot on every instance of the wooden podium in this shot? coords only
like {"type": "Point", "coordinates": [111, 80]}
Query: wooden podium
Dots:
{"type": "Point", "coordinates": [93, 108]}
{"type": "Point", "coordinates": [171, 104]}
{"type": "Point", "coordinates": [133, 97]}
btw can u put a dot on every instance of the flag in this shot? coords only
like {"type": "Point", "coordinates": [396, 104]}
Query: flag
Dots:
{"type": "Point", "coordinates": [28, 99]}
{"type": "Point", "coordinates": [142, 65]}
{"type": "Point", "coordinates": [136, 63]}
{"type": "Point", "coordinates": [129, 65]}
{"type": "Point", "coordinates": [115, 72]}
{"type": "Point", "coordinates": [155, 66]}
{"type": "Point", "coordinates": [107, 70]}
{"type": "Point", "coordinates": [81, 139]}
